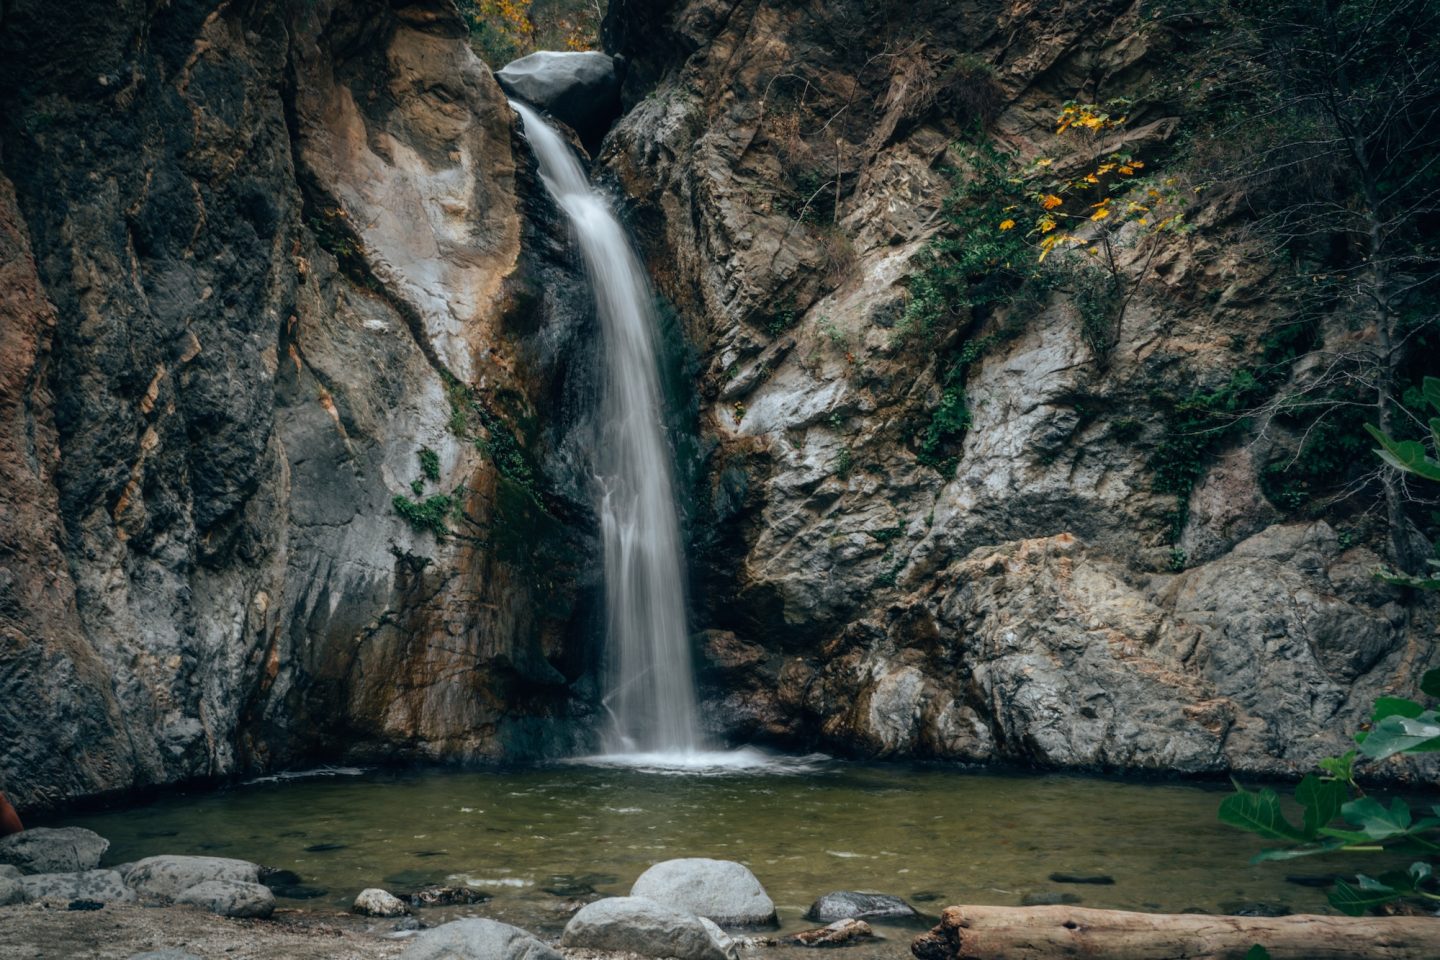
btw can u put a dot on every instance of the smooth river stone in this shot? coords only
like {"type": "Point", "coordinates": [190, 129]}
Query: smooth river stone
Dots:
{"type": "Point", "coordinates": [168, 876]}
{"type": "Point", "coordinates": [847, 905]}
{"type": "Point", "coordinates": [54, 850]}
{"type": "Point", "coordinates": [478, 940]}
{"type": "Point", "coordinates": [230, 898]}
{"type": "Point", "coordinates": [105, 886]}
{"type": "Point", "coordinates": [640, 925]}
{"type": "Point", "coordinates": [722, 890]}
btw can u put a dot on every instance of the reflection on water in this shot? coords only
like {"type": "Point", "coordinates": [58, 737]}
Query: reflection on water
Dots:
{"type": "Point", "coordinates": [539, 839]}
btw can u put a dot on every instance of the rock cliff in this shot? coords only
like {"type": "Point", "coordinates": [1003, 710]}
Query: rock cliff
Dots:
{"type": "Point", "coordinates": [1038, 598]}
{"type": "Point", "coordinates": [283, 306]}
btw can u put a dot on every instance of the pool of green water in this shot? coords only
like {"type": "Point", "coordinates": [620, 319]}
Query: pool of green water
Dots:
{"type": "Point", "coordinates": [536, 839]}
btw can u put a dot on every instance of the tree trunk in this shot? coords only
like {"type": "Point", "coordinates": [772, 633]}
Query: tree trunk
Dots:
{"type": "Point", "coordinates": [1054, 933]}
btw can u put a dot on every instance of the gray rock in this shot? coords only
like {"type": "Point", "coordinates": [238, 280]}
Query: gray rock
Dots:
{"type": "Point", "coordinates": [374, 902]}
{"type": "Point", "coordinates": [11, 892]}
{"type": "Point", "coordinates": [478, 940]}
{"type": "Point", "coordinates": [230, 898]}
{"type": "Point", "coordinates": [723, 890]}
{"type": "Point", "coordinates": [54, 850]}
{"type": "Point", "coordinates": [640, 925]}
{"type": "Point", "coordinates": [106, 886]}
{"type": "Point", "coordinates": [169, 953]}
{"type": "Point", "coordinates": [847, 904]}
{"type": "Point", "coordinates": [580, 90]}
{"type": "Point", "coordinates": [168, 875]}
{"type": "Point", "coordinates": [9, 872]}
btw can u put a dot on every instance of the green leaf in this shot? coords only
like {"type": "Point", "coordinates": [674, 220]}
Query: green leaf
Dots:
{"type": "Point", "coordinates": [1259, 813]}
{"type": "Point", "coordinates": [1397, 734]}
{"type": "Point", "coordinates": [1431, 390]}
{"type": "Point", "coordinates": [1377, 821]}
{"type": "Point", "coordinates": [1430, 680]}
{"type": "Point", "coordinates": [1321, 799]}
{"type": "Point", "coordinates": [1355, 900]}
{"type": "Point", "coordinates": [1407, 455]}
{"type": "Point", "coordinates": [1395, 707]}
{"type": "Point", "coordinates": [1257, 952]}
{"type": "Point", "coordinates": [1341, 768]}
{"type": "Point", "coordinates": [1346, 836]}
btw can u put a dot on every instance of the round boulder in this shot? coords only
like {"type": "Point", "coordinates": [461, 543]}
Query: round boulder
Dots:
{"type": "Point", "coordinates": [477, 940]}
{"type": "Point", "coordinates": [722, 890]}
{"type": "Point", "coordinates": [168, 876]}
{"type": "Point", "coordinates": [54, 850]}
{"type": "Point", "coordinates": [581, 90]}
{"type": "Point", "coordinates": [849, 905]}
{"type": "Point", "coordinates": [640, 925]}
{"type": "Point", "coordinates": [374, 902]}
{"type": "Point", "coordinates": [230, 898]}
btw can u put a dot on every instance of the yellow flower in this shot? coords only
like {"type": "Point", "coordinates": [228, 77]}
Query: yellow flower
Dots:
{"type": "Point", "coordinates": [1047, 225]}
{"type": "Point", "coordinates": [1100, 214]}
{"type": "Point", "coordinates": [1127, 170]}
{"type": "Point", "coordinates": [1091, 178]}
{"type": "Point", "coordinates": [1051, 202]}
{"type": "Point", "coordinates": [1044, 161]}
{"type": "Point", "coordinates": [1007, 224]}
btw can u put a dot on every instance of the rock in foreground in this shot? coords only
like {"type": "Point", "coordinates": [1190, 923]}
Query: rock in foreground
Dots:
{"type": "Point", "coordinates": [847, 904]}
{"type": "Point", "coordinates": [169, 876]}
{"type": "Point", "coordinates": [478, 940]}
{"type": "Point", "coordinates": [640, 925]}
{"type": "Point", "coordinates": [230, 898]}
{"type": "Point", "coordinates": [721, 890]}
{"type": "Point", "coordinates": [105, 886]}
{"type": "Point", "coordinates": [57, 850]}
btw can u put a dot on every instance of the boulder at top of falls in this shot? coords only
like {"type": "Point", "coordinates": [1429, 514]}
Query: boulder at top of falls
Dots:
{"type": "Point", "coordinates": [478, 940]}
{"type": "Point", "coordinates": [54, 850]}
{"type": "Point", "coordinates": [581, 90]}
{"type": "Point", "coordinates": [168, 876]}
{"type": "Point", "coordinates": [640, 925]}
{"type": "Point", "coordinates": [722, 890]}
{"type": "Point", "coordinates": [849, 905]}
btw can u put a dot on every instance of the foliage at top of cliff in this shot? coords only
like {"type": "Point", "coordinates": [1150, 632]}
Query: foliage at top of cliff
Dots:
{"type": "Point", "coordinates": [504, 30]}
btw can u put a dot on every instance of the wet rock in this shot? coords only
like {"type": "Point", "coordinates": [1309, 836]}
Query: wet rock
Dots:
{"type": "Point", "coordinates": [722, 890]}
{"type": "Point", "coordinates": [1255, 908]}
{"type": "Point", "coordinates": [640, 925]}
{"type": "Point", "coordinates": [1097, 879]}
{"type": "Point", "coordinates": [580, 90]}
{"type": "Point", "coordinates": [325, 847]}
{"type": "Point", "coordinates": [107, 886]}
{"type": "Point", "coordinates": [170, 953]}
{"type": "Point", "coordinates": [1048, 898]}
{"type": "Point", "coordinates": [53, 850]}
{"type": "Point", "coordinates": [445, 896]}
{"type": "Point", "coordinates": [374, 902]}
{"type": "Point", "coordinates": [11, 892]}
{"type": "Point", "coordinates": [478, 940]}
{"type": "Point", "coordinates": [837, 934]}
{"type": "Point", "coordinates": [847, 904]}
{"type": "Point", "coordinates": [407, 923]}
{"type": "Point", "coordinates": [230, 898]}
{"type": "Point", "coordinates": [169, 875]}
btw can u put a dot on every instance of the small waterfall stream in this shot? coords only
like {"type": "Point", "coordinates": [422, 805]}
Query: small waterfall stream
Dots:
{"type": "Point", "coordinates": [650, 687]}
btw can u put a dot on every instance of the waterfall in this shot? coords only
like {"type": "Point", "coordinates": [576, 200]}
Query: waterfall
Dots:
{"type": "Point", "coordinates": [650, 686]}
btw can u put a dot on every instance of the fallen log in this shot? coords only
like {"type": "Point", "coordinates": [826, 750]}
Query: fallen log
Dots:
{"type": "Point", "coordinates": [1055, 933]}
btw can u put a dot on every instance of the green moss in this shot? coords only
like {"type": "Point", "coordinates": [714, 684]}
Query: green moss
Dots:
{"type": "Point", "coordinates": [430, 464]}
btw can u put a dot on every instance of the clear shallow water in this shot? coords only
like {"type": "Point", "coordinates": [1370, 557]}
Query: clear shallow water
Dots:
{"type": "Point", "coordinates": [937, 836]}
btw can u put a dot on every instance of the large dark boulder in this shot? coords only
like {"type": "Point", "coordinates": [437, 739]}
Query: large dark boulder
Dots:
{"type": "Point", "coordinates": [581, 90]}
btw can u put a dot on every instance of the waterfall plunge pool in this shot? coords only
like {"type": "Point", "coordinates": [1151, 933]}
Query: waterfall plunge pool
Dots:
{"type": "Point", "coordinates": [538, 839]}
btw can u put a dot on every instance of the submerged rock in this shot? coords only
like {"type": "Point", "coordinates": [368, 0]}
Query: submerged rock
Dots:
{"type": "Point", "coordinates": [722, 890]}
{"type": "Point", "coordinates": [837, 934]}
{"type": "Point", "coordinates": [478, 940]}
{"type": "Point", "coordinates": [445, 896]}
{"type": "Point", "coordinates": [230, 898]}
{"type": "Point", "coordinates": [1048, 898]}
{"type": "Point", "coordinates": [168, 875]}
{"type": "Point", "coordinates": [107, 886]}
{"type": "Point", "coordinates": [847, 904]}
{"type": "Point", "coordinates": [1098, 879]}
{"type": "Point", "coordinates": [54, 850]}
{"type": "Point", "coordinates": [580, 90]}
{"type": "Point", "coordinates": [374, 902]}
{"type": "Point", "coordinates": [640, 925]}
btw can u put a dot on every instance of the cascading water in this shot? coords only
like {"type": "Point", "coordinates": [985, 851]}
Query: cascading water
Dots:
{"type": "Point", "coordinates": [650, 682]}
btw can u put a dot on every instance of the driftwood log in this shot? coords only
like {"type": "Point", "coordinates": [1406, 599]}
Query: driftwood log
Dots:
{"type": "Point", "coordinates": [1054, 933]}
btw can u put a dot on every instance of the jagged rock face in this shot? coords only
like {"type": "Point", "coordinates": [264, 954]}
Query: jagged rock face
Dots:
{"type": "Point", "coordinates": [252, 260]}
{"type": "Point", "coordinates": [1025, 608]}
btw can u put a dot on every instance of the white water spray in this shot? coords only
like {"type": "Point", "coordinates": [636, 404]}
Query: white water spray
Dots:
{"type": "Point", "coordinates": [650, 686]}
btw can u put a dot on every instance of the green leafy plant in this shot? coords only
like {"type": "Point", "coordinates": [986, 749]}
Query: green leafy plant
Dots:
{"type": "Point", "coordinates": [431, 514]}
{"type": "Point", "coordinates": [430, 464]}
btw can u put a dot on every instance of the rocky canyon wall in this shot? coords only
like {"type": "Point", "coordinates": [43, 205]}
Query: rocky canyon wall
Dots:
{"type": "Point", "coordinates": [257, 258]}
{"type": "Point", "coordinates": [1034, 599]}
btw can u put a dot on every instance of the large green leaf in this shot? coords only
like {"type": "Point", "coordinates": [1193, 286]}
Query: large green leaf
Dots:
{"type": "Point", "coordinates": [1321, 799]}
{"type": "Point", "coordinates": [1430, 680]}
{"type": "Point", "coordinates": [1396, 734]}
{"type": "Point", "coordinates": [1355, 900]}
{"type": "Point", "coordinates": [1395, 707]}
{"type": "Point", "coordinates": [1410, 456]}
{"type": "Point", "coordinates": [1257, 952]}
{"type": "Point", "coordinates": [1259, 813]}
{"type": "Point", "coordinates": [1376, 820]}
